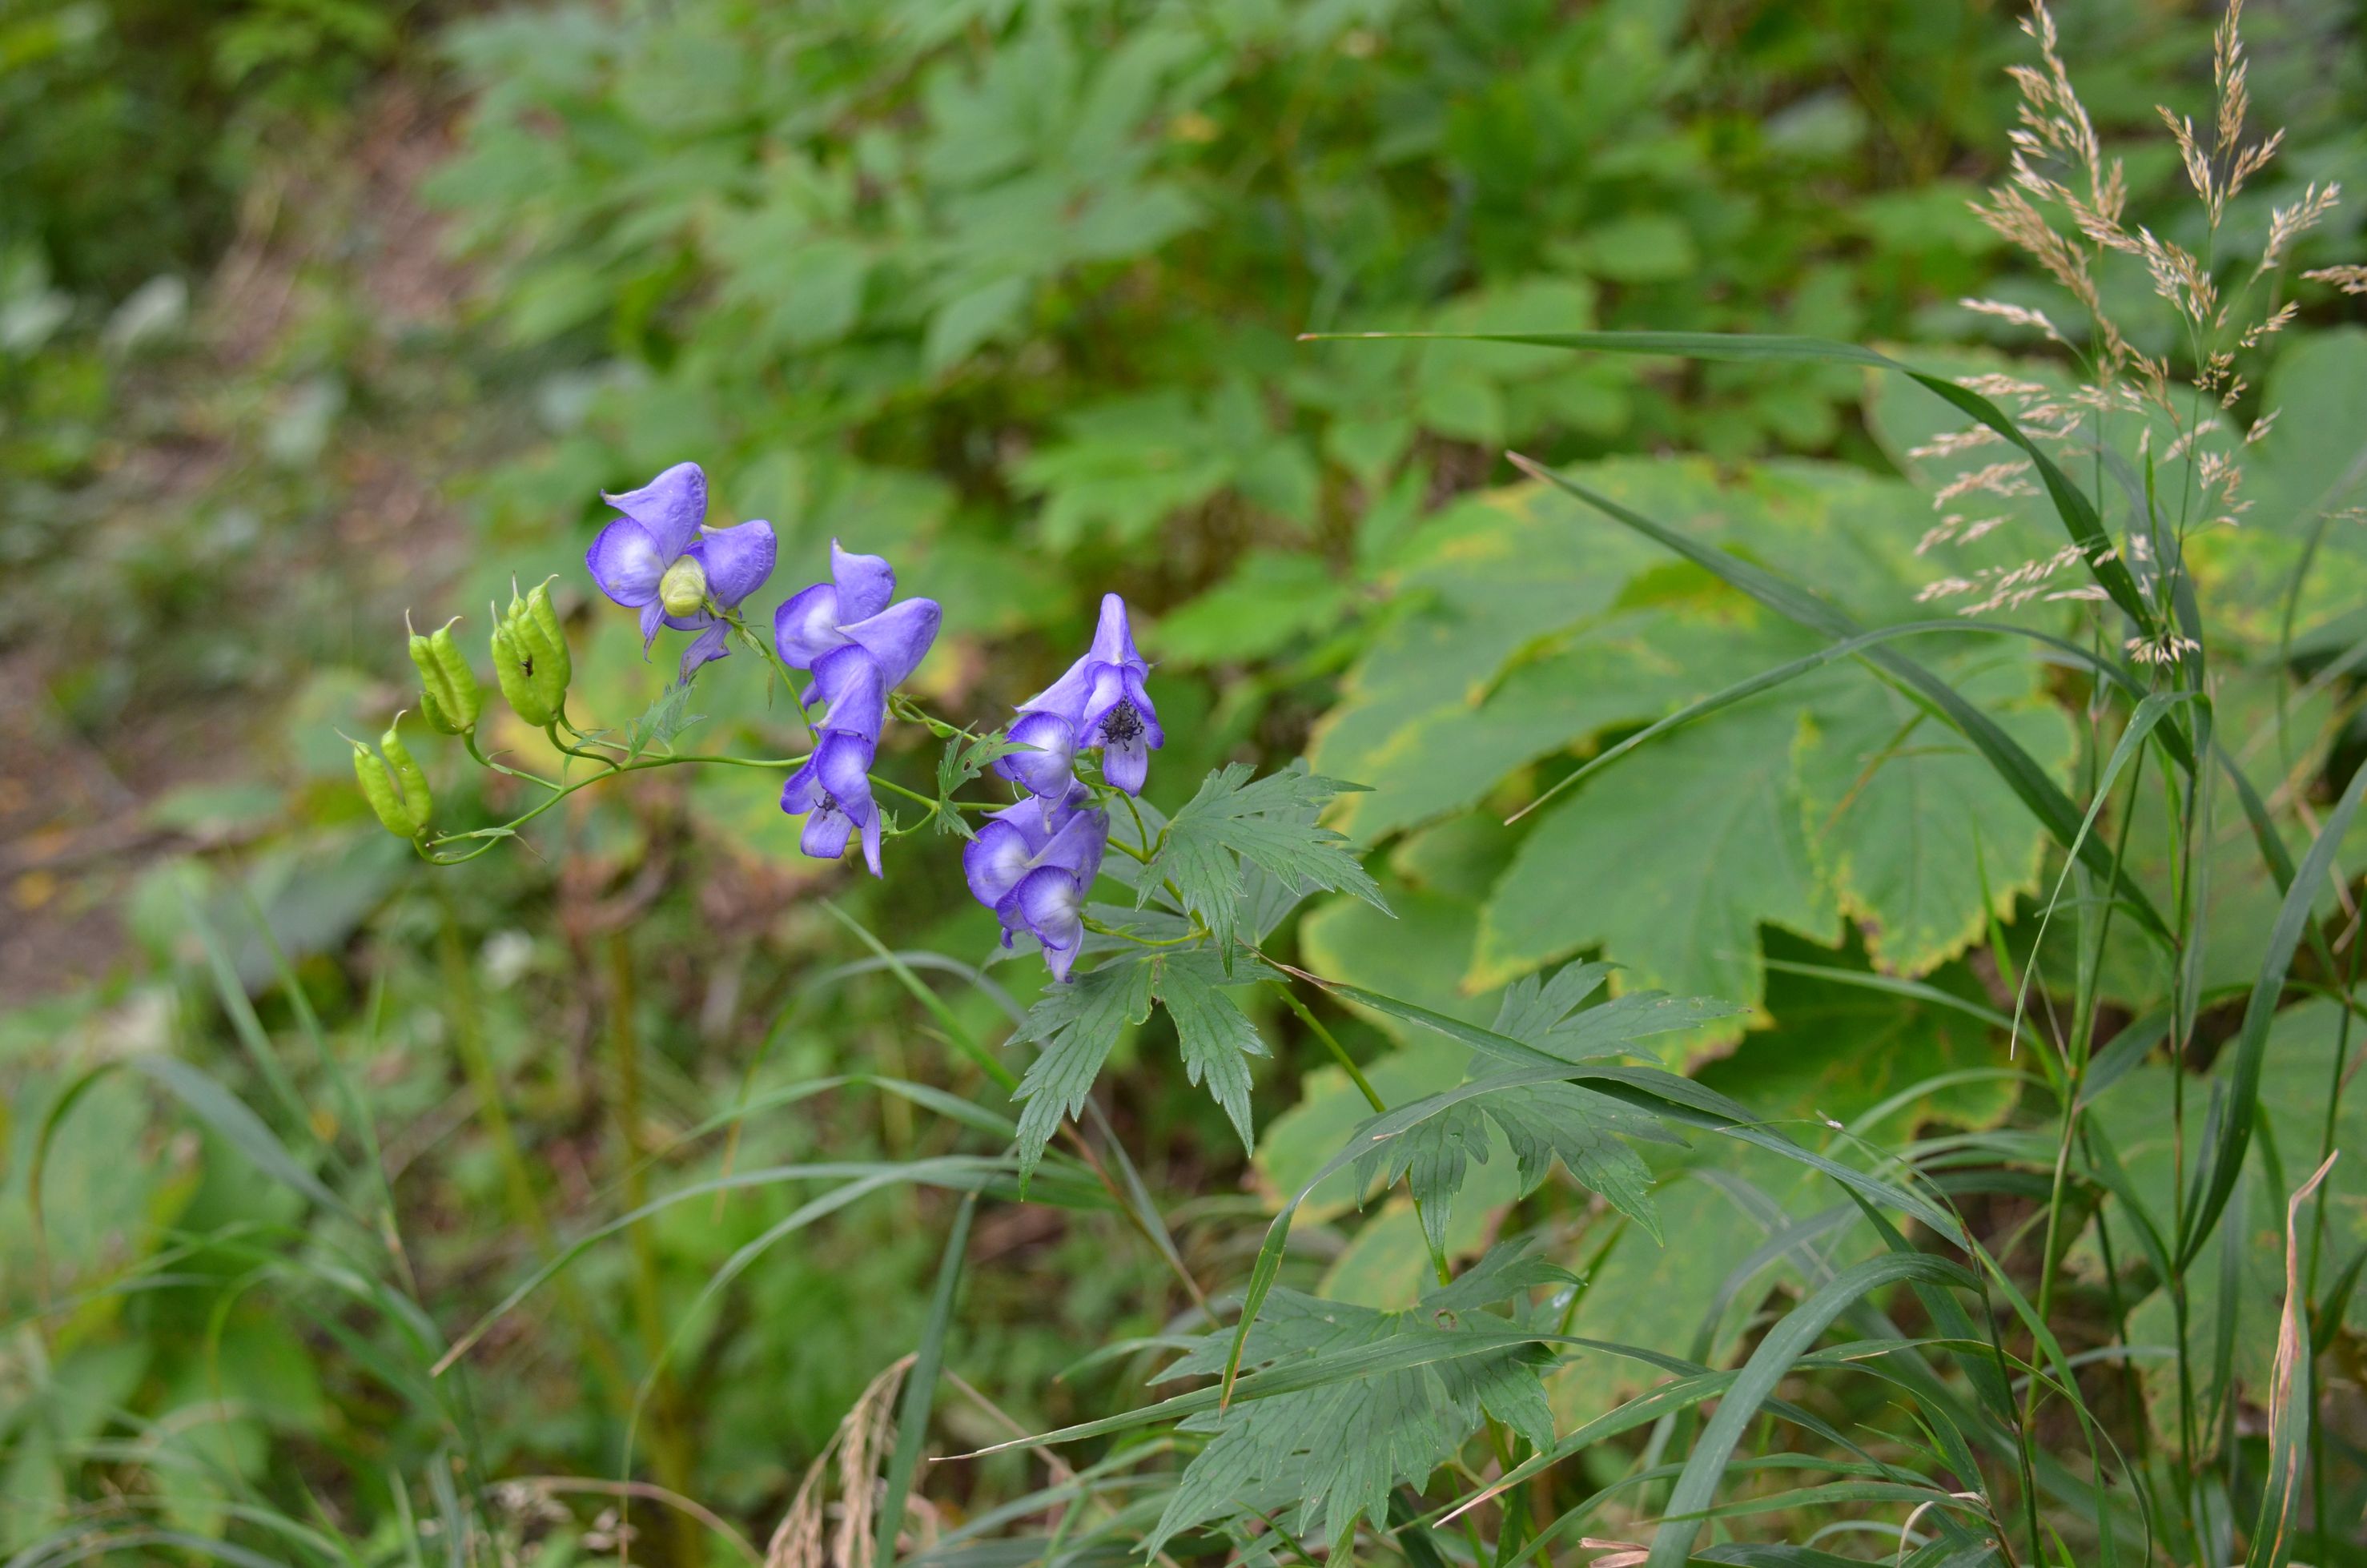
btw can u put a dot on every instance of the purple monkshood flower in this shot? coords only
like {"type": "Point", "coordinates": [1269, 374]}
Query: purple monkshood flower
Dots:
{"type": "Point", "coordinates": [1100, 702]}
{"type": "Point", "coordinates": [1033, 866]}
{"type": "Point", "coordinates": [859, 647]}
{"type": "Point", "coordinates": [833, 792]}
{"type": "Point", "coordinates": [661, 559]}
{"type": "Point", "coordinates": [851, 609]}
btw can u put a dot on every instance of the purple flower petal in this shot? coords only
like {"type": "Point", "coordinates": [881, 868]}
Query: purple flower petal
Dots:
{"type": "Point", "coordinates": [1065, 696]}
{"type": "Point", "coordinates": [1051, 905]}
{"type": "Point", "coordinates": [1037, 821]}
{"type": "Point", "coordinates": [899, 636]}
{"type": "Point", "coordinates": [737, 559]}
{"type": "Point", "coordinates": [1114, 638]}
{"type": "Point", "coordinates": [670, 507]}
{"type": "Point", "coordinates": [842, 763]}
{"type": "Point", "coordinates": [1079, 847]}
{"type": "Point", "coordinates": [1103, 697]}
{"type": "Point", "coordinates": [1125, 767]}
{"type": "Point", "coordinates": [866, 583]}
{"type": "Point", "coordinates": [1124, 726]}
{"type": "Point", "coordinates": [1045, 769]}
{"type": "Point", "coordinates": [848, 680]}
{"type": "Point", "coordinates": [626, 563]}
{"type": "Point", "coordinates": [806, 627]}
{"type": "Point", "coordinates": [871, 846]}
{"type": "Point", "coordinates": [707, 645]}
{"type": "Point", "coordinates": [825, 834]}
{"type": "Point", "coordinates": [652, 616]}
{"type": "Point", "coordinates": [1138, 693]}
{"type": "Point", "coordinates": [995, 862]}
{"type": "Point", "coordinates": [803, 791]}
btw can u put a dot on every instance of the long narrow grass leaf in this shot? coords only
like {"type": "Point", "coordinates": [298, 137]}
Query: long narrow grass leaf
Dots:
{"type": "Point", "coordinates": [2216, 1177]}
{"type": "Point", "coordinates": [921, 1385]}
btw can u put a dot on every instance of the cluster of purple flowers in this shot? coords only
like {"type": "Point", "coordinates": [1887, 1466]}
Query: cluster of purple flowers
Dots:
{"type": "Point", "coordinates": [661, 559]}
{"type": "Point", "coordinates": [860, 647]}
{"type": "Point", "coordinates": [1033, 862]}
{"type": "Point", "coordinates": [1100, 704]}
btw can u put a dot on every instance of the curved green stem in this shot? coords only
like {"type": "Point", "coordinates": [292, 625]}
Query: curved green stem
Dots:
{"type": "Point", "coordinates": [493, 835]}
{"type": "Point", "coordinates": [469, 739]}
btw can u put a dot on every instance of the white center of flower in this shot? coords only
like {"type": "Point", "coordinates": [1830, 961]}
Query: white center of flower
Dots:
{"type": "Point", "coordinates": [683, 587]}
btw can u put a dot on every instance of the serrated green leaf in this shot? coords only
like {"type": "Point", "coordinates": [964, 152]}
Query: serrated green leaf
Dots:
{"type": "Point", "coordinates": [663, 719]}
{"type": "Point", "coordinates": [1268, 823]}
{"type": "Point", "coordinates": [1684, 851]}
{"type": "Point", "coordinates": [1333, 1451]}
{"type": "Point", "coordinates": [1078, 1023]}
{"type": "Point", "coordinates": [1215, 1037]}
{"type": "Point", "coordinates": [964, 760]}
{"type": "Point", "coordinates": [1540, 1122]}
{"type": "Point", "coordinates": [1908, 823]}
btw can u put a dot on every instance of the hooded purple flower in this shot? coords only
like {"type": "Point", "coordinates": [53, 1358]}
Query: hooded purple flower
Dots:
{"type": "Point", "coordinates": [1102, 702]}
{"type": "Point", "coordinates": [833, 792]}
{"type": "Point", "coordinates": [851, 609]}
{"type": "Point", "coordinates": [661, 559]}
{"type": "Point", "coordinates": [1032, 868]}
{"type": "Point", "coordinates": [859, 648]}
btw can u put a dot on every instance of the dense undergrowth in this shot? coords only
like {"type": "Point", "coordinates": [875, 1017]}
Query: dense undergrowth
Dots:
{"type": "Point", "coordinates": [2036, 925]}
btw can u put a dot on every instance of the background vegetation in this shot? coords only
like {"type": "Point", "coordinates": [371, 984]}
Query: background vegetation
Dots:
{"type": "Point", "coordinates": [312, 311]}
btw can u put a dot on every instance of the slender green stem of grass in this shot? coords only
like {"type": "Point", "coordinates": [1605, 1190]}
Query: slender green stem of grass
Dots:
{"type": "Point", "coordinates": [517, 1178]}
{"type": "Point", "coordinates": [670, 1434]}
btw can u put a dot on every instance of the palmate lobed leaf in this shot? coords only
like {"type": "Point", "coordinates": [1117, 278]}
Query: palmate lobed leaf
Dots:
{"type": "Point", "coordinates": [1333, 1451]}
{"type": "Point", "coordinates": [1080, 1022]}
{"type": "Point", "coordinates": [1588, 1132]}
{"type": "Point", "coordinates": [1267, 823]}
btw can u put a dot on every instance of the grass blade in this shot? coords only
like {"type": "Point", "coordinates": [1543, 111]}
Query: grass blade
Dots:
{"type": "Point", "coordinates": [2289, 1417]}
{"type": "Point", "coordinates": [1789, 1340]}
{"type": "Point", "coordinates": [2226, 1158]}
{"type": "Point", "coordinates": [921, 1385]}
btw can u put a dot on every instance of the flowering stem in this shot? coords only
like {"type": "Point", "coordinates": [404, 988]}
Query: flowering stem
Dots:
{"type": "Point", "coordinates": [469, 739]}
{"type": "Point", "coordinates": [493, 835]}
{"type": "Point", "coordinates": [1197, 933]}
{"type": "Point", "coordinates": [773, 660]}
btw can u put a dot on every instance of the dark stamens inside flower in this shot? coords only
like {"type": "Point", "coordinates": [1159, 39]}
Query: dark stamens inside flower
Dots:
{"type": "Point", "coordinates": [1123, 727]}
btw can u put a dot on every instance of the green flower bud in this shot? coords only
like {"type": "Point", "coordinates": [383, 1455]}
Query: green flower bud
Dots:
{"type": "Point", "coordinates": [553, 669]}
{"type": "Point", "coordinates": [514, 667]}
{"type": "Point", "coordinates": [683, 587]}
{"type": "Point", "coordinates": [393, 784]}
{"type": "Point", "coordinates": [453, 699]}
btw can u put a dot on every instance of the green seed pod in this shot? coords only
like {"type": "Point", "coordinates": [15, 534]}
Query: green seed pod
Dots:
{"type": "Point", "coordinates": [430, 678]}
{"type": "Point", "coordinates": [401, 807]}
{"type": "Point", "coordinates": [553, 668]}
{"type": "Point", "coordinates": [416, 799]}
{"type": "Point", "coordinates": [461, 697]}
{"type": "Point", "coordinates": [513, 666]}
{"type": "Point", "coordinates": [451, 699]}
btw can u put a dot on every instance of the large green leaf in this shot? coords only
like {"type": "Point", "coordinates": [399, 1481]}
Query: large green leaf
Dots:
{"type": "Point", "coordinates": [1670, 863]}
{"type": "Point", "coordinates": [1332, 1451]}
{"type": "Point", "coordinates": [1909, 824]}
{"type": "Point", "coordinates": [1526, 627]}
